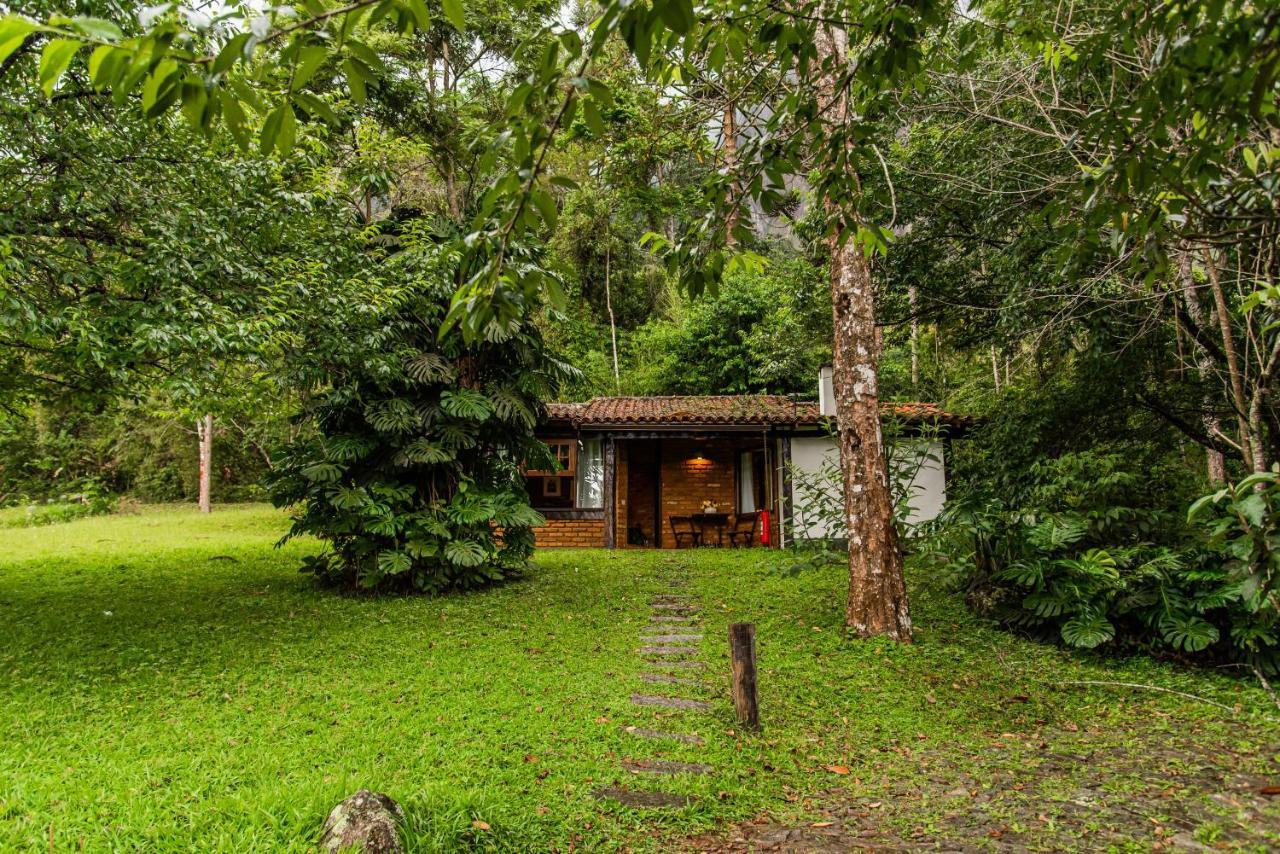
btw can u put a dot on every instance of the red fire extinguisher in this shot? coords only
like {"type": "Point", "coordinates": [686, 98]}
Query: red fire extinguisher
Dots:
{"type": "Point", "coordinates": [764, 527]}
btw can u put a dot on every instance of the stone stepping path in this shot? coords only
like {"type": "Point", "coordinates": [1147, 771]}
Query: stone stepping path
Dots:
{"type": "Point", "coordinates": [664, 766]}
{"type": "Point", "coordinates": [669, 643]}
{"type": "Point", "coordinates": [642, 732]}
{"type": "Point", "coordinates": [669, 702]}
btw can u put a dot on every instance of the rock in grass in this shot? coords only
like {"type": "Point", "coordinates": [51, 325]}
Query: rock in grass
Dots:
{"type": "Point", "coordinates": [366, 822]}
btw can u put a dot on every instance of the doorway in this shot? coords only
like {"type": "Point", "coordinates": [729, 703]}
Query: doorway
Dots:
{"type": "Point", "coordinates": [644, 521]}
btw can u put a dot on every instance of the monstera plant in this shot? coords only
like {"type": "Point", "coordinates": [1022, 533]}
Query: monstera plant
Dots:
{"type": "Point", "coordinates": [410, 472]}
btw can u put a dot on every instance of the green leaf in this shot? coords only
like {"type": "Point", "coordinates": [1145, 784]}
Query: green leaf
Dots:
{"type": "Point", "coordinates": [13, 32]}
{"type": "Point", "coordinates": [1087, 630]}
{"type": "Point", "coordinates": [453, 11]}
{"type": "Point", "coordinates": [356, 76]}
{"type": "Point", "coordinates": [194, 101]}
{"type": "Point", "coordinates": [288, 129]}
{"type": "Point", "coordinates": [421, 17]}
{"type": "Point", "coordinates": [97, 28]}
{"type": "Point", "coordinates": [464, 553]}
{"type": "Point", "coordinates": [230, 53]}
{"type": "Point", "coordinates": [315, 107]}
{"type": "Point", "coordinates": [106, 64]}
{"type": "Point", "coordinates": [394, 562]}
{"type": "Point", "coordinates": [546, 207]}
{"type": "Point", "coordinates": [366, 54]}
{"type": "Point", "coordinates": [160, 89]}
{"type": "Point", "coordinates": [466, 403]}
{"type": "Point", "coordinates": [322, 472]}
{"type": "Point", "coordinates": [233, 114]}
{"type": "Point", "coordinates": [54, 60]}
{"type": "Point", "coordinates": [592, 117]}
{"type": "Point", "coordinates": [309, 61]}
{"type": "Point", "coordinates": [678, 15]}
{"type": "Point", "coordinates": [1253, 508]}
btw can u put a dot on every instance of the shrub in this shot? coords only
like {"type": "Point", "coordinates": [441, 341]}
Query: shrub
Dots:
{"type": "Point", "coordinates": [91, 501]}
{"type": "Point", "coordinates": [1086, 562]}
{"type": "Point", "coordinates": [412, 472]}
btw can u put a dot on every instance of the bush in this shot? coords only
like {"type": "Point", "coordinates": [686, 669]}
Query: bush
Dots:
{"type": "Point", "coordinates": [1086, 561]}
{"type": "Point", "coordinates": [92, 501]}
{"type": "Point", "coordinates": [412, 474]}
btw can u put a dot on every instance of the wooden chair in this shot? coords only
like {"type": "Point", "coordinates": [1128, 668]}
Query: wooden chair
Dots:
{"type": "Point", "coordinates": [743, 529]}
{"type": "Point", "coordinates": [682, 527]}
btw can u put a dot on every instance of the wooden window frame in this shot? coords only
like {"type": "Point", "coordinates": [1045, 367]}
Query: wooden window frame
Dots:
{"type": "Point", "coordinates": [571, 467]}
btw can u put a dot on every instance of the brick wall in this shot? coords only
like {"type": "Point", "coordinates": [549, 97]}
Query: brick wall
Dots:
{"type": "Point", "coordinates": [570, 533]}
{"type": "Point", "coordinates": [693, 472]}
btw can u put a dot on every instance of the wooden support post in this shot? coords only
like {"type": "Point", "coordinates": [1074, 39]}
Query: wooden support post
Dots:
{"type": "Point", "coordinates": [742, 652]}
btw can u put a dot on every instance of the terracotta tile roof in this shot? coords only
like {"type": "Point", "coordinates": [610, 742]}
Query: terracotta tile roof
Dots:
{"type": "Point", "coordinates": [725, 409]}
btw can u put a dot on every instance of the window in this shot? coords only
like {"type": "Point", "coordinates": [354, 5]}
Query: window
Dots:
{"type": "Point", "coordinates": [746, 488]}
{"type": "Point", "coordinates": [751, 484]}
{"type": "Point", "coordinates": [590, 476]}
{"type": "Point", "coordinates": [578, 481]}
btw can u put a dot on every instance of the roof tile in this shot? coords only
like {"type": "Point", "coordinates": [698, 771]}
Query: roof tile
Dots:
{"type": "Point", "coordinates": [726, 409]}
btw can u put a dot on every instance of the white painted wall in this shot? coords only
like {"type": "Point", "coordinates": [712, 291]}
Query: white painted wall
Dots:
{"type": "Point", "coordinates": [918, 465]}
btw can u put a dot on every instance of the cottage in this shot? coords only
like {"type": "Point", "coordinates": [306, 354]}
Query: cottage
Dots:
{"type": "Point", "coordinates": [727, 470]}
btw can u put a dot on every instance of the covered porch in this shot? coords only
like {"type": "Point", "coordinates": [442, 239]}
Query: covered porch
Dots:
{"type": "Point", "coordinates": [680, 489]}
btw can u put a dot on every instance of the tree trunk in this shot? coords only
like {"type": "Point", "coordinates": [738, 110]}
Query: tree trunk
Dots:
{"type": "Point", "coordinates": [204, 431]}
{"type": "Point", "coordinates": [608, 303]}
{"type": "Point", "coordinates": [1252, 456]}
{"type": "Point", "coordinates": [729, 132]}
{"type": "Point", "coordinates": [912, 300]}
{"type": "Point", "coordinates": [1215, 462]}
{"type": "Point", "coordinates": [877, 601]}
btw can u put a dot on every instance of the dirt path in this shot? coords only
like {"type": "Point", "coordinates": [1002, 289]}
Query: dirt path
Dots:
{"type": "Point", "coordinates": [1151, 795]}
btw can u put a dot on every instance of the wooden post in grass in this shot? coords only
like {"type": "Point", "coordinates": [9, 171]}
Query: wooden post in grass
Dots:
{"type": "Point", "coordinates": [742, 653]}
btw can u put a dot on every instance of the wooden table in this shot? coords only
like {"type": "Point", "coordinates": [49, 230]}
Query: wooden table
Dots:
{"type": "Point", "coordinates": [719, 521]}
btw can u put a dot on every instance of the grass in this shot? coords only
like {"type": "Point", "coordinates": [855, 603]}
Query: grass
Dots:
{"type": "Point", "coordinates": [170, 683]}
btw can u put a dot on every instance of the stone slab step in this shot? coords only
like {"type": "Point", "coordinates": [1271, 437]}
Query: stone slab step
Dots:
{"type": "Point", "coordinates": [664, 766]}
{"type": "Point", "coordinates": [669, 702]}
{"type": "Point", "coordinates": [674, 606]}
{"type": "Point", "coordinates": [642, 732]}
{"type": "Point", "coordinates": [658, 661]}
{"type": "Point", "coordinates": [643, 800]}
{"type": "Point", "coordinates": [666, 649]}
{"type": "Point", "coordinates": [664, 679]}
{"type": "Point", "coordinates": [662, 618]}
{"type": "Point", "coordinates": [669, 638]}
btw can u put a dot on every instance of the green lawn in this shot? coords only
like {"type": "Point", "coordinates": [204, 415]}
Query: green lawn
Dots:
{"type": "Point", "coordinates": [172, 683]}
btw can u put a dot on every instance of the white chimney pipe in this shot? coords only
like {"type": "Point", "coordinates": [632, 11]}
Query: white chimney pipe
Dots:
{"type": "Point", "coordinates": [826, 392]}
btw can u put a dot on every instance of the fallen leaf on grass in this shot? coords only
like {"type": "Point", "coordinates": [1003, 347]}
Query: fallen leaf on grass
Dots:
{"type": "Point", "coordinates": [822, 824]}
{"type": "Point", "coordinates": [480, 825]}
{"type": "Point", "coordinates": [837, 769]}
{"type": "Point", "coordinates": [543, 810]}
{"type": "Point", "coordinates": [1269, 790]}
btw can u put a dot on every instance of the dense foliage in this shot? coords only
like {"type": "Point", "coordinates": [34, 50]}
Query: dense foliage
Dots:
{"type": "Point", "coordinates": [412, 475]}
